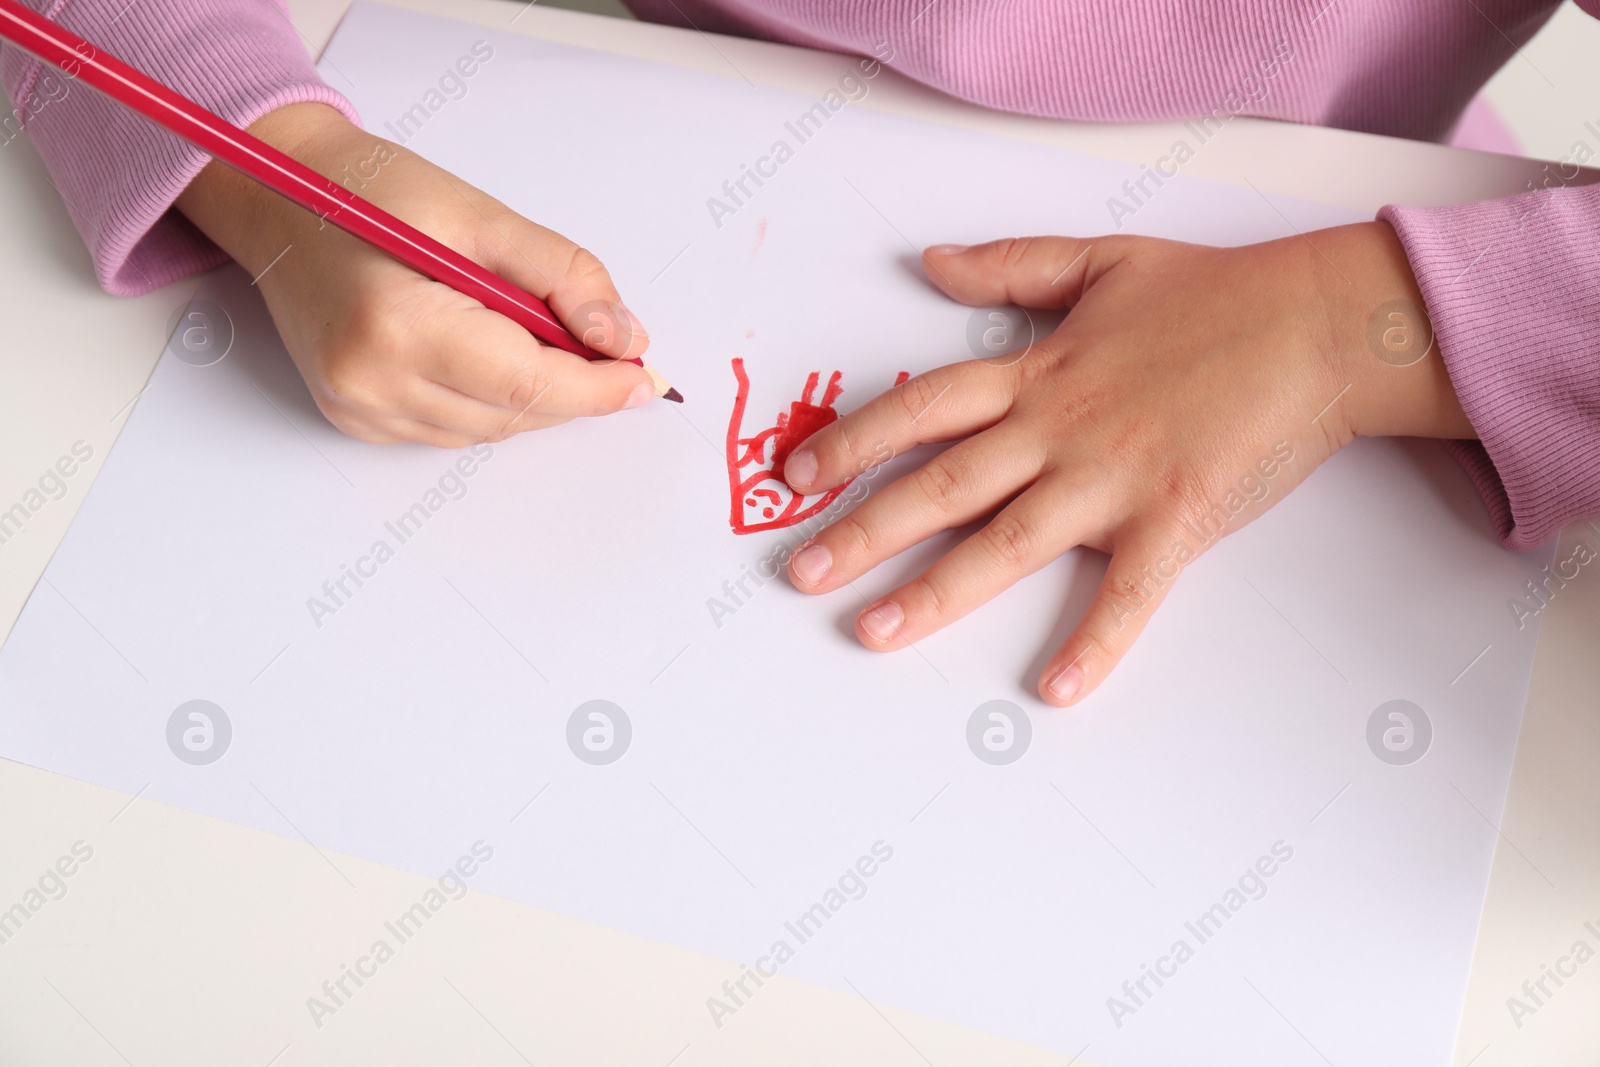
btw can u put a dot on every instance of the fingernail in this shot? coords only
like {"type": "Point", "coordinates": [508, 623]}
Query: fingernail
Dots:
{"type": "Point", "coordinates": [1065, 683]}
{"type": "Point", "coordinates": [642, 393]}
{"type": "Point", "coordinates": [810, 565]}
{"type": "Point", "coordinates": [947, 250]}
{"type": "Point", "coordinates": [882, 623]}
{"type": "Point", "coordinates": [801, 469]}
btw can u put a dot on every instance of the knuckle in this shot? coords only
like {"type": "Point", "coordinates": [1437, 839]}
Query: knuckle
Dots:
{"type": "Point", "coordinates": [1047, 357]}
{"type": "Point", "coordinates": [856, 535]}
{"type": "Point", "coordinates": [1179, 495]}
{"type": "Point", "coordinates": [1008, 540]}
{"type": "Point", "coordinates": [526, 389]}
{"type": "Point", "coordinates": [833, 442]}
{"type": "Point", "coordinates": [1123, 595]}
{"type": "Point", "coordinates": [939, 485]}
{"type": "Point", "coordinates": [1027, 372]}
{"type": "Point", "coordinates": [584, 265]}
{"type": "Point", "coordinates": [917, 395]}
{"type": "Point", "coordinates": [1014, 250]}
{"type": "Point", "coordinates": [1124, 604]}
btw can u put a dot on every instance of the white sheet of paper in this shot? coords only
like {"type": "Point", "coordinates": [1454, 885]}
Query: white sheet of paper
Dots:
{"type": "Point", "coordinates": [768, 751]}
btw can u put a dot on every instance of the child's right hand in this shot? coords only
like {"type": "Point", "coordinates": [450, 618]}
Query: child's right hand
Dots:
{"type": "Point", "coordinates": [388, 354]}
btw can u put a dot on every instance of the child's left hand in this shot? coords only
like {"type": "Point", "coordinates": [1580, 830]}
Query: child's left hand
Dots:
{"type": "Point", "coordinates": [1185, 378]}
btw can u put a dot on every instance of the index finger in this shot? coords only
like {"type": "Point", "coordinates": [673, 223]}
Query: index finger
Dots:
{"type": "Point", "coordinates": [499, 363]}
{"type": "Point", "coordinates": [559, 271]}
{"type": "Point", "coordinates": [944, 404]}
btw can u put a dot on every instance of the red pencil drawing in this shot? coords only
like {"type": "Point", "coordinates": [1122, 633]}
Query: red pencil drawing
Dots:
{"type": "Point", "coordinates": [760, 498]}
{"type": "Point", "coordinates": [761, 237]}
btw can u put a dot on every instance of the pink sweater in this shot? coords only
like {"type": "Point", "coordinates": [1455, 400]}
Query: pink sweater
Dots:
{"type": "Point", "coordinates": [1511, 284]}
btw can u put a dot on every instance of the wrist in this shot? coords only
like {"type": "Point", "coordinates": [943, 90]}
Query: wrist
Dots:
{"type": "Point", "coordinates": [1385, 350]}
{"type": "Point", "coordinates": [250, 222]}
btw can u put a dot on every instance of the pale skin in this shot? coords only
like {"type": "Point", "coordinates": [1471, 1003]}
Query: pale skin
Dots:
{"type": "Point", "coordinates": [388, 354]}
{"type": "Point", "coordinates": [1179, 368]}
{"type": "Point", "coordinates": [1176, 371]}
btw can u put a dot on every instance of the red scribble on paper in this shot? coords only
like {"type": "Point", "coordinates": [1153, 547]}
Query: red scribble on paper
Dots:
{"type": "Point", "coordinates": [760, 498]}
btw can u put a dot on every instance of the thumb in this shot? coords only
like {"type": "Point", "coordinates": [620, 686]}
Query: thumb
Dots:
{"type": "Point", "coordinates": [573, 282]}
{"type": "Point", "coordinates": [1035, 272]}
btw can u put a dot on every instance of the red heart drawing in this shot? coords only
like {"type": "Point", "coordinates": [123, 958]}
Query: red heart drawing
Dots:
{"type": "Point", "coordinates": [760, 498]}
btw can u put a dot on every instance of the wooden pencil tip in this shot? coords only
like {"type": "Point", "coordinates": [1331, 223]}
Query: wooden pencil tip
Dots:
{"type": "Point", "coordinates": [664, 388]}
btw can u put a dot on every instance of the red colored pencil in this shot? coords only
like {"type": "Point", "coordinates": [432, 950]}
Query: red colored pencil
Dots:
{"type": "Point", "coordinates": [290, 178]}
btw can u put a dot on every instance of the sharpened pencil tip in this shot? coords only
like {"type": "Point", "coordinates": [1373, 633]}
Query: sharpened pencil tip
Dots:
{"type": "Point", "coordinates": [673, 395]}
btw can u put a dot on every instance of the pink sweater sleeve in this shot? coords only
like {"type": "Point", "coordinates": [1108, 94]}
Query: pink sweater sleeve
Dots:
{"type": "Point", "coordinates": [1511, 287]}
{"type": "Point", "coordinates": [118, 173]}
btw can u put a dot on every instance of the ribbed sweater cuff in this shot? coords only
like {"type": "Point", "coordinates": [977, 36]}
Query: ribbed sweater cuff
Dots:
{"type": "Point", "coordinates": [1511, 287]}
{"type": "Point", "coordinates": [118, 173]}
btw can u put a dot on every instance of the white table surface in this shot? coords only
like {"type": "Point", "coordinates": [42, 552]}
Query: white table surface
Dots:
{"type": "Point", "coordinates": [186, 939]}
